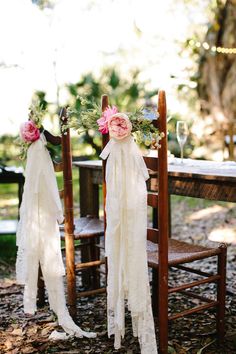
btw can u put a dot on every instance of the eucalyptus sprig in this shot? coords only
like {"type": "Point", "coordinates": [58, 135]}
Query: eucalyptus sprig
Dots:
{"type": "Point", "coordinates": [36, 113]}
{"type": "Point", "coordinates": [86, 117]}
{"type": "Point", "coordinates": [23, 146]}
{"type": "Point", "coordinates": [145, 131]}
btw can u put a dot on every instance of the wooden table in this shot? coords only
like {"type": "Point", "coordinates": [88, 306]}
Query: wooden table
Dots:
{"type": "Point", "coordinates": [193, 178]}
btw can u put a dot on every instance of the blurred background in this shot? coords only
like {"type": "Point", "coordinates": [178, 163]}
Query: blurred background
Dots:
{"type": "Point", "coordinates": [55, 50]}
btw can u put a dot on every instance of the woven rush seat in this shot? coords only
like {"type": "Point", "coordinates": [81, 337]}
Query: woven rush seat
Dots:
{"type": "Point", "coordinates": [86, 227]}
{"type": "Point", "coordinates": [179, 252]}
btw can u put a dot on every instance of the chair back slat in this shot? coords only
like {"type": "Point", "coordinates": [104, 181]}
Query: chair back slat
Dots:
{"type": "Point", "coordinates": [58, 166]}
{"type": "Point", "coordinates": [67, 175]}
{"type": "Point", "coordinates": [105, 139]}
{"type": "Point", "coordinates": [68, 212]}
{"type": "Point", "coordinates": [152, 183]}
{"type": "Point", "coordinates": [153, 235]}
{"type": "Point", "coordinates": [162, 217]}
{"type": "Point", "coordinates": [151, 163]}
{"type": "Point", "coordinates": [53, 139]}
{"type": "Point", "coordinates": [163, 213]}
{"type": "Point", "coordinates": [152, 199]}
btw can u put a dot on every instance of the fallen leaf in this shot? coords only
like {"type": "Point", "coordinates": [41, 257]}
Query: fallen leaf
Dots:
{"type": "Point", "coordinates": [8, 344]}
{"type": "Point", "coordinates": [28, 349]}
{"type": "Point", "coordinates": [17, 332]}
{"type": "Point", "coordinates": [46, 331]}
{"type": "Point", "coordinates": [32, 330]}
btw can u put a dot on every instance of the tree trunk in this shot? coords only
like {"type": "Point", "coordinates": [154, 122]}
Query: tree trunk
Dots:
{"type": "Point", "coordinates": [217, 84]}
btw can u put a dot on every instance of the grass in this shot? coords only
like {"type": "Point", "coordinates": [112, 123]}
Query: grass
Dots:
{"type": "Point", "coordinates": [191, 202]}
{"type": "Point", "coordinates": [8, 189]}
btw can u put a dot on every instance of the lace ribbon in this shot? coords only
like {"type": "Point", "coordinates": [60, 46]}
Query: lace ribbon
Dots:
{"type": "Point", "coordinates": [126, 210]}
{"type": "Point", "coordinates": [38, 237]}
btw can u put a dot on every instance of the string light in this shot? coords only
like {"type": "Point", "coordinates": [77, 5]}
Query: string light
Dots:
{"type": "Point", "coordinates": [214, 49]}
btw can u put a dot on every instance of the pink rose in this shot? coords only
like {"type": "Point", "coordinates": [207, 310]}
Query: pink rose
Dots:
{"type": "Point", "coordinates": [29, 132]}
{"type": "Point", "coordinates": [103, 121]}
{"type": "Point", "coordinates": [119, 126]}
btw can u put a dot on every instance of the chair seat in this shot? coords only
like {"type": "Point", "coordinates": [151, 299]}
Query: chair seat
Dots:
{"type": "Point", "coordinates": [86, 227]}
{"type": "Point", "coordinates": [179, 252]}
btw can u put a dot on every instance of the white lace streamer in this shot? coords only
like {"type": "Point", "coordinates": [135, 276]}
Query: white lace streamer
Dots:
{"type": "Point", "coordinates": [38, 237]}
{"type": "Point", "coordinates": [126, 210]}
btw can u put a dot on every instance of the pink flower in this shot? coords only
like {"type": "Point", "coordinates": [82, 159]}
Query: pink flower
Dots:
{"type": "Point", "coordinates": [119, 126]}
{"type": "Point", "coordinates": [103, 121]}
{"type": "Point", "coordinates": [29, 132]}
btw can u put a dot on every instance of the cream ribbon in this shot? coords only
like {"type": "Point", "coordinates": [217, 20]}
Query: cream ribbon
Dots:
{"type": "Point", "coordinates": [38, 237]}
{"type": "Point", "coordinates": [126, 210]}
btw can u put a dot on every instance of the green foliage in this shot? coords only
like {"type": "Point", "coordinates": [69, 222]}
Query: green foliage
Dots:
{"type": "Point", "coordinates": [125, 92]}
{"type": "Point", "coordinates": [9, 151]}
{"type": "Point", "coordinates": [114, 80]}
{"type": "Point", "coordinates": [40, 97]}
{"type": "Point", "coordinates": [85, 119]}
{"type": "Point", "coordinates": [42, 4]}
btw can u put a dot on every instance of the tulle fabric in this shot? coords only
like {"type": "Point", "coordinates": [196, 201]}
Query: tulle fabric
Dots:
{"type": "Point", "coordinates": [38, 237]}
{"type": "Point", "coordinates": [126, 211]}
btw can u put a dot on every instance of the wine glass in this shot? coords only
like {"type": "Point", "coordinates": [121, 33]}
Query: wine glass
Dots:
{"type": "Point", "coordinates": [182, 134]}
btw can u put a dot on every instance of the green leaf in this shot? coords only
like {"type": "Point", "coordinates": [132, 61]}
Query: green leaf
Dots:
{"type": "Point", "coordinates": [171, 350]}
{"type": "Point", "coordinates": [200, 351]}
{"type": "Point", "coordinates": [114, 79]}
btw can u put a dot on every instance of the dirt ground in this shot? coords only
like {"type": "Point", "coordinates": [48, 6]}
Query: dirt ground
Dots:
{"type": "Point", "coordinates": [191, 221]}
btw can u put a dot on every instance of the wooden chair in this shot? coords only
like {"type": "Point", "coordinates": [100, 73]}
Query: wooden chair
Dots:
{"type": "Point", "coordinates": [164, 252]}
{"type": "Point", "coordinates": [88, 230]}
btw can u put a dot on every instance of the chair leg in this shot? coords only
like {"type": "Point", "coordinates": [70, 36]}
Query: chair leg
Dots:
{"type": "Point", "coordinates": [221, 292]}
{"type": "Point", "coordinates": [70, 274]}
{"type": "Point", "coordinates": [155, 292]}
{"type": "Point", "coordinates": [163, 314]}
{"type": "Point", "coordinates": [85, 257]}
{"type": "Point", "coordinates": [41, 288]}
{"type": "Point", "coordinates": [95, 255]}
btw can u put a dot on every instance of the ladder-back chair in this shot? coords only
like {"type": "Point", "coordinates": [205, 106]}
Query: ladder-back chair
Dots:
{"type": "Point", "coordinates": [88, 230]}
{"type": "Point", "coordinates": [164, 252]}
